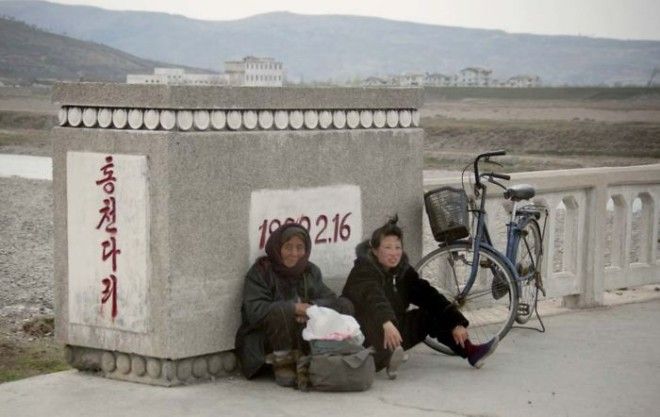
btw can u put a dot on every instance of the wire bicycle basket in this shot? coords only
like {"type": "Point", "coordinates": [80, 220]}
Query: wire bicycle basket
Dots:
{"type": "Point", "coordinates": [447, 208]}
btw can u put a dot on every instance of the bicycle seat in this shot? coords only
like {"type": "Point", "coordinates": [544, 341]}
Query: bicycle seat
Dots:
{"type": "Point", "coordinates": [519, 192]}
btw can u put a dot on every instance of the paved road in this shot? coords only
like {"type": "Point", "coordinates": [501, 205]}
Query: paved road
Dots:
{"type": "Point", "coordinates": [25, 166]}
{"type": "Point", "coordinates": [601, 362]}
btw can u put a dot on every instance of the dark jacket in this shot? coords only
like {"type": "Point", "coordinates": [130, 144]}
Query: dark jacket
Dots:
{"type": "Point", "coordinates": [385, 295]}
{"type": "Point", "coordinates": [265, 290]}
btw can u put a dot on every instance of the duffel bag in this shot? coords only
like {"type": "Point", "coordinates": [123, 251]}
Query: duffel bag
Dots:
{"type": "Point", "coordinates": [337, 372]}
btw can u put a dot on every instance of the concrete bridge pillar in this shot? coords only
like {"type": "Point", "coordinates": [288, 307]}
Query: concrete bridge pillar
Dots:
{"type": "Point", "coordinates": [592, 246]}
{"type": "Point", "coordinates": [164, 196]}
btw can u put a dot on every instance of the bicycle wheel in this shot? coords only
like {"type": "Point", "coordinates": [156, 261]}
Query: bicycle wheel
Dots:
{"type": "Point", "coordinates": [490, 305]}
{"type": "Point", "coordinates": [528, 268]}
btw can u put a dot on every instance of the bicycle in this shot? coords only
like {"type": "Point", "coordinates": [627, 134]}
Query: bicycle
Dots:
{"type": "Point", "coordinates": [490, 288]}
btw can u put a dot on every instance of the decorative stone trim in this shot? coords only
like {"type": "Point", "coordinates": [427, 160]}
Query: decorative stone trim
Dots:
{"type": "Point", "coordinates": [148, 370]}
{"type": "Point", "coordinates": [206, 120]}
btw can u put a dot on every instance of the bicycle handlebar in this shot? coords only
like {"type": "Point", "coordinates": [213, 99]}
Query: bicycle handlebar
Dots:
{"type": "Point", "coordinates": [500, 176]}
{"type": "Point", "coordinates": [477, 177]}
{"type": "Point", "coordinates": [500, 152]}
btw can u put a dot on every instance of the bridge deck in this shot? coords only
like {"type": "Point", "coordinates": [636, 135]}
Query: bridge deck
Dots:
{"type": "Point", "coordinates": [595, 362]}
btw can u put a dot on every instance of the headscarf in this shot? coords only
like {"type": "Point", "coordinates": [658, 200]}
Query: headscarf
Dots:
{"type": "Point", "coordinates": [274, 250]}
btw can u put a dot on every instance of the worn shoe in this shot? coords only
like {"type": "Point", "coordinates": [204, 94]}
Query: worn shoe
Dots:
{"type": "Point", "coordinates": [397, 358]}
{"type": "Point", "coordinates": [285, 375]}
{"type": "Point", "coordinates": [477, 354]}
{"type": "Point", "coordinates": [284, 367]}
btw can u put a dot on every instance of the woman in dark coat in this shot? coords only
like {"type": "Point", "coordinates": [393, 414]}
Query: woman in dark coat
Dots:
{"type": "Point", "coordinates": [382, 285]}
{"type": "Point", "coordinates": [279, 288]}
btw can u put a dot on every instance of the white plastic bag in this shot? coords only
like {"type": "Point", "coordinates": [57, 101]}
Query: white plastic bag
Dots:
{"type": "Point", "coordinates": [326, 324]}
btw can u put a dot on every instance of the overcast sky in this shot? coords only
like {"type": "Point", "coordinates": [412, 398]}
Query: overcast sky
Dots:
{"type": "Point", "coordinates": [622, 19]}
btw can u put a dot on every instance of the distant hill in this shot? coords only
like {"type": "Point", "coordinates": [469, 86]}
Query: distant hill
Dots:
{"type": "Point", "coordinates": [28, 54]}
{"type": "Point", "coordinates": [342, 47]}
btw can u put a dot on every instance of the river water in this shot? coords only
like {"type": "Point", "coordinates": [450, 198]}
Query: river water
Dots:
{"type": "Point", "coordinates": [26, 166]}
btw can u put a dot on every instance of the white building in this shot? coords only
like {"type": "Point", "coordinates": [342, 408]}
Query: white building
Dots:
{"type": "Point", "coordinates": [255, 71]}
{"type": "Point", "coordinates": [438, 80]}
{"type": "Point", "coordinates": [467, 77]}
{"type": "Point", "coordinates": [375, 82]}
{"type": "Point", "coordinates": [473, 77]}
{"type": "Point", "coordinates": [408, 79]}
{"type": "Point", "coordinates": [250, 71]}
{"type": "Point", "coordinates": [177, 76]}
{"type": "Point", "coordinates": [523, 81]}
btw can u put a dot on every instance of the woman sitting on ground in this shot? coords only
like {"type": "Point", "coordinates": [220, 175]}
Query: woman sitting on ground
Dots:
{"type": "Point", "coordinates": [279, 288]}
{"type": "Point", "coordinates": [382, 285]}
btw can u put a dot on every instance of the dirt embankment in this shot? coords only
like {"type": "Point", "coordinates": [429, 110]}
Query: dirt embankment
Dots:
{"type": "Point", "coordinates": [25, 133]}
{"type": "Point", "coordinates": [26, 117]}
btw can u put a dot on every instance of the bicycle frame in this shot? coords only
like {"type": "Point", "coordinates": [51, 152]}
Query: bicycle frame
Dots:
{"type": "Point", "coordinates": [482, 239]}
{"type": "Point", "coordinates": [513, 233]}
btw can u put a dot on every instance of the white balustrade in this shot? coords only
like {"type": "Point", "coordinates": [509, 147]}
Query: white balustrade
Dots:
{"type": "Point", "coordinates": [601, 233]}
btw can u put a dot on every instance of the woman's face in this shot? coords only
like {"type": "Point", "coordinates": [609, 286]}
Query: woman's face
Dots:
{"type": "Point", "coordinates": [292, 250]}
{"type": "Point", "coordinates": [389, 252]}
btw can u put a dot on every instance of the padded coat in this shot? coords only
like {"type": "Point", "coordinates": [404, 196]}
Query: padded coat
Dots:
{"type": "Point", "coordinates": [264, 290]}
{"type": "Point", "coordinates": [386, 294]}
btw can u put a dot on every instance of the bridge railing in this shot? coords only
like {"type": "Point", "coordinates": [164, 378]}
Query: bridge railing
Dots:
{"type": "Point", "coordinates": [602, 229]}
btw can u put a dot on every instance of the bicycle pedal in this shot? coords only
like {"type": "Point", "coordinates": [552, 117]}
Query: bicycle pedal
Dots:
{"type": "Point", "coordinates": [523, 308]}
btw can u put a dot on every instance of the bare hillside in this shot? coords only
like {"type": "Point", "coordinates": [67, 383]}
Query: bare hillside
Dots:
{"type": "Point", "coordinates": [28, 54]}
{"type": "Point", "coordinates": [319, 47]}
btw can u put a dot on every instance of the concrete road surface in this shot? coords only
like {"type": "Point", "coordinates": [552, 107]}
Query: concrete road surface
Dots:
{"type": "Point", "coordinates": [599, 362]}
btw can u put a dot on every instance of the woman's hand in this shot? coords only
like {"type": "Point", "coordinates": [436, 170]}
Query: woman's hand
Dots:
{"type": "Point", "coordinates": [300, 310]}
{"type": "Point", "coordinates": [460, 335]}
{"type": "Point", "coordinates": [392, 337]}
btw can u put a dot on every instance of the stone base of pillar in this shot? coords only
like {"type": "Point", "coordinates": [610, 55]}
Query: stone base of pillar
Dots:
{"type": "Point", "coordinates": [577, 301]}
{"type": "Point", "coordinates": [148, 370]}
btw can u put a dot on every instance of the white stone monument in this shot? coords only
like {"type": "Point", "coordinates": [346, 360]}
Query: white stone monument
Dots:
{"type": "Point", "coordinates": [165, 195]}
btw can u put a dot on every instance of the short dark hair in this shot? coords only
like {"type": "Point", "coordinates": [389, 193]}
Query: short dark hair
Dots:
{"type": "Point", "coordinates": [388, 229]}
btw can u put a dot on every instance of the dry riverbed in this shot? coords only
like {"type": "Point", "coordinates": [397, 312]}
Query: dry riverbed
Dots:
{"type": "Point", "coordinates": [27, 346]}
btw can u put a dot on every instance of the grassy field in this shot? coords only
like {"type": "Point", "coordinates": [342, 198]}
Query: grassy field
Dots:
{"type": "Point", "coordinates": [25, 142]}
{"type": "Point", "coordinates": [25, 120]}
{"type": "Point", "coordinates": [26, 116]}
{"type": "Point", "coordinates": [540, 144]}
{"type": "Point", "coordinates": [27, 348]}
{"type": "Point", "coordinates": [540, 93]}
{"type": "Point", "coordinates": [542, 128]}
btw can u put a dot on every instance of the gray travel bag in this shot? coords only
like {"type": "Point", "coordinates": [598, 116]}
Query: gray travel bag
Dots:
{"type": "Point", "coordinates": [344, 368]}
